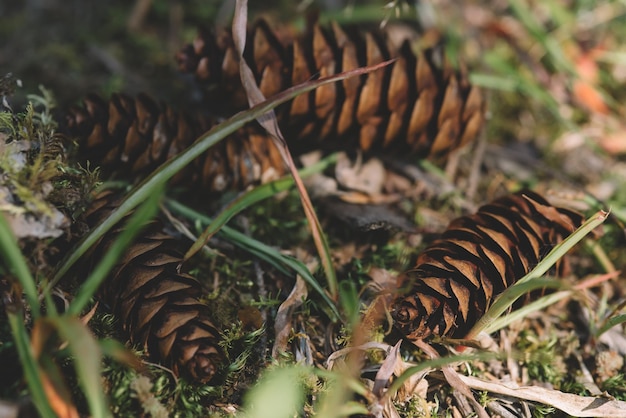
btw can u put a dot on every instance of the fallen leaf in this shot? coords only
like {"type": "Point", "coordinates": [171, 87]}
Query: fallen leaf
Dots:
{"type": "Point", "coordinates": [386, 370]}
{"type": "Point", "coordinates": [584, 88]}
{"type": "Point", "coordinates": [574, 405]}
{"type": "Point", "coordinates": [58, 396]}
{"type": "Point", "coordinates": [282, 325]}
{"type": "Point", "coordinates": [330, 361]}
{"type": "Point", "coordinates": [614, 143]}
{"type": "Point", "coordinates": [367, 177]}
{"type": "Point", "coordinates": [589, 96]}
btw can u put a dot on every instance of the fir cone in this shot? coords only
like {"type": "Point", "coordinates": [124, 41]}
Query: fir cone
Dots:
{"type": "Point", "coordinates": [477, 258]}
{"type": "Point", "coordinates": [418, 104]}
{"type": "Point", "coordinates": [131, 137]}
{"type": "Point", "coordinates": [160, 309]}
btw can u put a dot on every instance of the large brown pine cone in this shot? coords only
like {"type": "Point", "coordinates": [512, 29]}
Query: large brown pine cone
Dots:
{"type": "Point", "coordinates": [132, 136]}
{"type": "Point", "coordinates": [417, 104]}
{"type": "Point", "coordinates": [478, 256]}
{"type": "Point", "coordinates": [159, 308]}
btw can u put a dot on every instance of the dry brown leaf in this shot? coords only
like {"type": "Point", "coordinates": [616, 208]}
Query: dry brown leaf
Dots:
{"type": "Point", "coordinates": [87, 317]}
{"type": "Point", "coordinates": [56, 392]}
{"type": "Point", "coordinates": [614, 143]}
{"type": "Point", "coordinates": [452, 377]}
{"type": "Point", "coordinates": [589, 96]}
{"type": "Point", "coordinates": [58, 397]}
{"type": "Point", "coordinates": [282, 325]}
{"type": "Point", "coordinates": [415, 385]}
{"type": "Point", "coordinates": [330, 361]}
{"type": "Point", "coordinates": [460, 386]}
{"type": "Point", "coordinates": [386, 370]}
{"type": "Point", "coordinates": [574, 405]}
{"type": "Point", "coordinates": [584, 88]}
{"type": "Point", "coordinates": [367, 177]}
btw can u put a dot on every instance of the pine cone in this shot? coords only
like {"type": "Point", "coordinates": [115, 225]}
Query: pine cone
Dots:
{"type": "Point", "coordinates": [132, 137]}
{"type": "Point", "coordinates": [417, 104]}
{"type": "Point", "coordinates": [477, 258]}
{"type": "Point", "coordinates": [160, 308]}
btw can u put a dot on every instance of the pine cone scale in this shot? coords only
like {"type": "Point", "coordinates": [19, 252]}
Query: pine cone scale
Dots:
{"type": "Point", "coordinates": [412, 97]}
{"type": "Point", "coordinates": [480, 255]}
{"type": "Point", "coordinates": [159, 307]}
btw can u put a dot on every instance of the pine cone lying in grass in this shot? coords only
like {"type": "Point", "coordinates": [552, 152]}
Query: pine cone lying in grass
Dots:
{"type": "Point", "coordinates": [132, 137]}
{"type": "Point", "coordinates": [417, 104]}
{"type": "Point", "coordinates": [478, 256]}
{"type": "Point", "coordinates": [159, 308]}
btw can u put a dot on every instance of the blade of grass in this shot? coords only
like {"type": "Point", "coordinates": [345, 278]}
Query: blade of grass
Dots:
{"type": "Point", "coordinates": [266, 253]}
{"type": "Point", "coordinates": [278, 394]}
{"type": "Point", "coordinates": [616, 320]}
{"type": "Point", "coordinates": [29, 363]}
{"type": "Point", "coordinates": [524, 311]}
{"type": "Point", "coordinates": [508, 297]}
{"type": "Point", "coordinates": [546, 301]}
{"type": "Point", "coordinates": [270, 123]}
{"type": "Point", "coordinates": [337, 400]}
{"type": "Point", "coordinates": [251, 197]}
{"type": "Point", "coordinates": [87, 358]}
{"type": "Point", "coordinates": [14, 259]}
{"type": "Point", "coordinates": [160, 176]}
{"type": "Point", "coordinates": [552, 48]}
{"type": "Point", "coordinates": [136, 222]}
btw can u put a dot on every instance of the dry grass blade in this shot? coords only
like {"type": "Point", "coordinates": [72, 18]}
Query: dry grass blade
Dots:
{"type": "Point", "coordinates": [269, 122]}
{"type": "Point", "coordinates": [178, 163]}
{"type": "Point", "coordinates": [574, 405]}
{"type": "Point", "coordinates": [386, 370]}
{"type": "Point", "coordinates": [452, 378]}
{"type": "Point", "coordinates": [282, 323]}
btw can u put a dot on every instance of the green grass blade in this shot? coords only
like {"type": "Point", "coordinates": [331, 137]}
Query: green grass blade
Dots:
{"type": "Point", "coordinates": [283, 263]}
{"type": "Point", "coordinates": [523, 312]}
{"type": "Point", "coordinates": [508, 297]}
{"type": "Point", "coordinates": [336, 401]}
{"type": "Point", "coordinates": [12, 256]}
{"type": "Point", "coordinates": [552, 48]}
{"type": "Point", "coordinates": [87, 358]}
{"type": "Point", "coordinates": [166, 171]}
{"type": "Point", "coordinates": [137, 221]}
{"type": "Point", "coordinates": [251, 197]}
{"type": "Point", "coordinates": [494, 82]}
{"type": "Point", "coordinates": [277, 394]}
{"type": "Point", "coordinates": [119, 352]}
{"type": "Point", "coordinates": [567, 244]}
{"type": "Point", "coordinates": [29, 364]}
{"type": "Point", "coordinates": [616, 320]}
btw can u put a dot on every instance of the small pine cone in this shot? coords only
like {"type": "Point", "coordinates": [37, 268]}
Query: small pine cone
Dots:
{"type": "Point", "coordinates": [132, 137]}
{"type": "Point", "coordinates": [159, 308]}
{"type": "Point", "coordinates": [458, 276]}
{"type": "Point", "coordinates": [418, 104]}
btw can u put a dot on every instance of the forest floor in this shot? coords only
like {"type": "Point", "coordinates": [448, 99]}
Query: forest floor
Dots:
{"type": "Point", "coordinates": [554, 78]}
